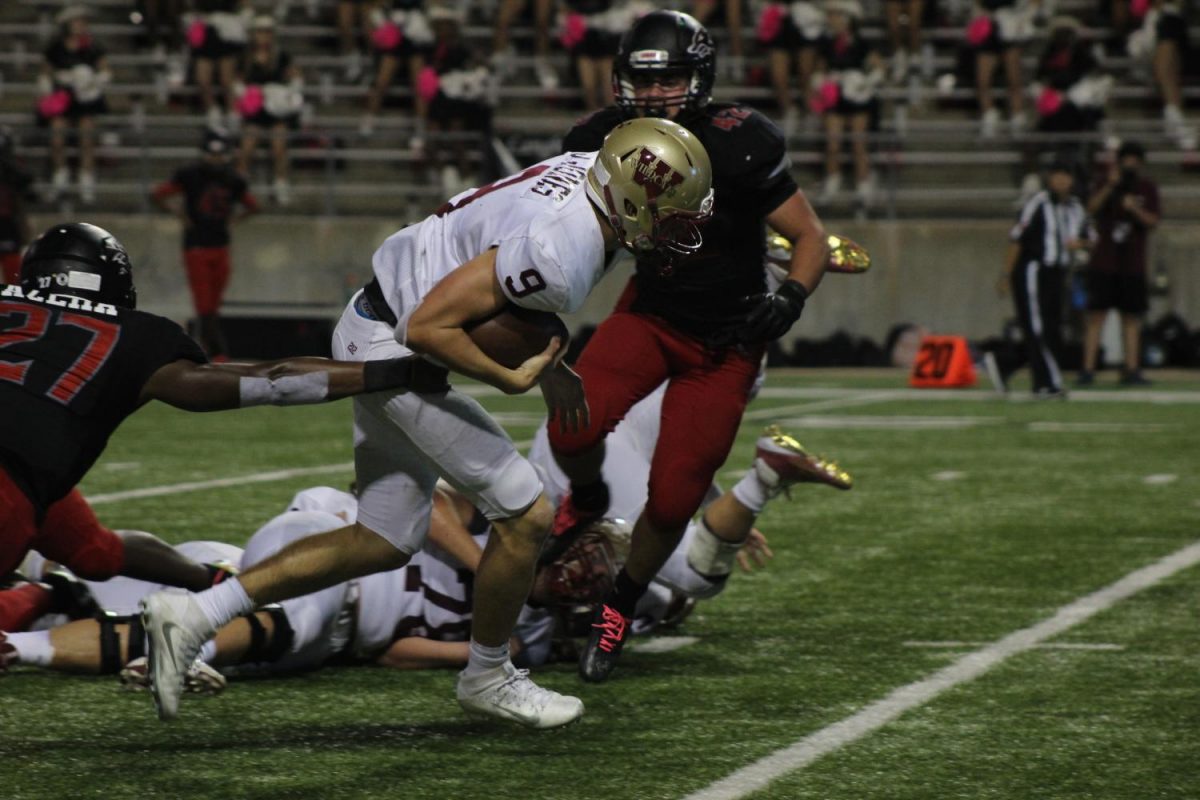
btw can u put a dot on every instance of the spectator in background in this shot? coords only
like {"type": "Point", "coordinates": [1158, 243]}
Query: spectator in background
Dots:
{"type": "Point", "coordinates": [71, 89]}
{"type": "Point", "coordinates": [790, 32]}
{"type": "Point", "coordinates": [1071, 93]}
{"type": "Point", "coordinates": [456, 86]}
{"type": "Point", "coordinates": [400, 31]}
{"type": "Point", "coordinates": [16, 189]}
{"type": "Point", "coordinates": [269, 100]}
{"type": "Point", "coordinates": [160, 21]}
{"type": "Point", "coordinates": [849, 72]}
{"type": "Point", "coordinates": [503, 53]}
{"type": "Point", "coordinates": [351, 13]}
{"type": "Point", "coordinates": [997, 33]}
{"type": "Point", "coordinates": [211, 191]}
{"type": "Point", "coordinates": [904, 34]}
{"type": "Point", "coordinates": [217, 38]}
{"type": "Point", "coordinates": [591, 31]}
{"type": "Point", "coordinates": [1051, 229]}
{"type": "Point", "coordinates": [1126, 208]}
{"type": "Point", "coordinates": [726, 14]}
{"type": "Point", "coordinates": [1162, 41]}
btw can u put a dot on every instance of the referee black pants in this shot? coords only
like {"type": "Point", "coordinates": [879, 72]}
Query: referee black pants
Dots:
{"type": "Point", "coordinates": [1038, 295]}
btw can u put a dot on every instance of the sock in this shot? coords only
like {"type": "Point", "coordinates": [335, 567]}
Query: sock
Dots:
{"type": "Point", "coordinates": [207, 651]}
{"type": "Point", "coordinates": [33, 649]}
{"type": "Point", "coordinates": [625, 594]}
{"type": "Point", "coordinates": [22, 605]}
{"type": "Point", "coordinates": [483, 658]}
{"type": "Point", "coordinates": [751, 492]}
{"type": "Point", "coordinates": [224, 601]}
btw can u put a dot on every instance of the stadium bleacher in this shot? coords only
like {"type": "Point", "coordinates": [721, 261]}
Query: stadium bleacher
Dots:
{"type": "Point", "coordinates": [927, 153]}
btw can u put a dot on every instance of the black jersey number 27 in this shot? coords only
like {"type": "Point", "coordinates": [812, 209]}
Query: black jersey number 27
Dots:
{"type": "Point", "coordinates": [34, 323]}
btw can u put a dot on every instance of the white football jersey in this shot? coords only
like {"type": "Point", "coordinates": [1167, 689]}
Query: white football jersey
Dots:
{"type": "Point", "coordinates": [550, 247]}
{"type": "Point", "coordinates": [429, 597]}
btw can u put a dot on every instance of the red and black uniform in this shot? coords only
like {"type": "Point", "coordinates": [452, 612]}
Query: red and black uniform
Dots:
{"type": "Point", "coordinates": [683, 327]}
{"type": "Point", "coordinates": [16, 189]}
{"type": "Point", "coordinates": [70, 373]}
{"type": "Point", "coordinates": [210, 192]}
{"type": "Point", "coordinates": [1117, 268]}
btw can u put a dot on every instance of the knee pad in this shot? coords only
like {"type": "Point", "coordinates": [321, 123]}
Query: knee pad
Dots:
{"type": "Point", "coordinates": [264, 647]}
{"type": "Point", "coordinates": [111, 658]}
{"type": "Point", "coordinates": [514, 489]}
{"type": "Point", "coordinates": [711, 558]}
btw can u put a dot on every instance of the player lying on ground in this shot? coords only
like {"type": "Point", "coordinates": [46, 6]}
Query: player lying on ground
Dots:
{"type": "Point", "coordinates": [77, 358]}
{"type": "Point", "coordinates": [539, 240]}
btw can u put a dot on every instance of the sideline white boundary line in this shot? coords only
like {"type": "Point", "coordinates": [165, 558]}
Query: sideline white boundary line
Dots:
{"type": "Point", "coordinates": [758, 775]}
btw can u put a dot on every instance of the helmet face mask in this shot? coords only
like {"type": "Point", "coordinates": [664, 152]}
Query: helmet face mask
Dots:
{"type": "Point", "coordinates": [652, 181]}
{"type": "Point", "coordinates": [80, 260]}
{"type": "Point", "coordinates": [669, 46]}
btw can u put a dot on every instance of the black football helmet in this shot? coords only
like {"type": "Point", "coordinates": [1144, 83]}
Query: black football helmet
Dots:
{"type": "Point", "coordinates": [80, 260]}
{"type": "Point", "coordinates": [665, 43]}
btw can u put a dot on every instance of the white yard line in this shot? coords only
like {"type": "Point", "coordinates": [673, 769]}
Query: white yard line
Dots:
{"type": "Point", "coordinates": [1102, 646]}
{"type": "Point", "coordinates": [874, 422]}
{"type": "Point", "coordinates": [1095, 427]}
{"type": "Point", "coordinates": [222, 483]}
{"type": "Point", "coordinates": [1161, 479]}
{"type": "Point", "coordinates": [758, 775]}
{"type": "Point", "coordinates": [843, 400]}
{"type": "Point", "coordinates": [949, 475]}
{"type": "Point", "coordinates": [662, 644]}
{"type": "Point", "coordinates": [985, 395]}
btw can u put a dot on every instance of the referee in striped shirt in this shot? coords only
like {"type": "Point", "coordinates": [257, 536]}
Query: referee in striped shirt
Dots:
{"type": "Point", "coordinates": [1043, 244]}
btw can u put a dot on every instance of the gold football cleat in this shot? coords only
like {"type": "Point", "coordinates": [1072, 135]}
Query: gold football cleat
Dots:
{"type": "Point", "coordinates": [786, 460]}
{"type": "Point", "coordinates": [845, 255]}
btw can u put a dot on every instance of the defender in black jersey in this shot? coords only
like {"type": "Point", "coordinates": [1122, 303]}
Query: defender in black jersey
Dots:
{"type": "Point", "coordinates": [76, 358]}
{"type": "Point", "coordinates": [701, 324]}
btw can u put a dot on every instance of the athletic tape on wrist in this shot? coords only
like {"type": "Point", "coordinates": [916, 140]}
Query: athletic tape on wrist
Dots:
{"type": "Point", "coordinates": [292, 390]}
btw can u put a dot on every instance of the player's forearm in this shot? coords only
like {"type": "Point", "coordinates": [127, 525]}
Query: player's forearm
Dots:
{"type": "Point", "coordinates": [454, 348]}
{"type": "Point", "coordinates": [149, 558]}
{"type": "Point", "coordinates": [810, 258]}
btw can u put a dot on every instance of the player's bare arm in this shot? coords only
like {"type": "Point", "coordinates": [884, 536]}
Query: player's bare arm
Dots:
{"type": "Point", "coordinates": [293, 381]}
{"type": "Point", "coordinates": [471, 292]}
{"type": "Point", "coordinates": [796, 220]}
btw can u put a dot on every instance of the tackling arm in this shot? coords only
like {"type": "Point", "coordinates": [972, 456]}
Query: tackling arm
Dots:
{"type": "Point", "coordinates": [293, 381]}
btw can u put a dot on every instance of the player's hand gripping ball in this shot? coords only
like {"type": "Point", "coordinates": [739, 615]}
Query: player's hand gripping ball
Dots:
{"type": "Point", "coordinates": [515, 334]}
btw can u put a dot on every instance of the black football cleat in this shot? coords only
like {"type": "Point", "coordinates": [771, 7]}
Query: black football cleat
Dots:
{"type": "Point", "coordinates": [609, 631]}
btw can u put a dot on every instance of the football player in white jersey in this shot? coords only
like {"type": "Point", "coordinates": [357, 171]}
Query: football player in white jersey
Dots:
{"type": "Point", "coordinates": [703, 560]}
{"type": "Point", "coordinates": [542, 240]}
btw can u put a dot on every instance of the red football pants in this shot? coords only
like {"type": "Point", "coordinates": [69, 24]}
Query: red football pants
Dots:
{"type": "Point", "coordinates": [11, 263]}
{"type": "Point", "coordinates": [208, 275]}
{"type": "Point", "coordinates": [70, 534]}
{"type": "Point", "coordinates": [627, 358]}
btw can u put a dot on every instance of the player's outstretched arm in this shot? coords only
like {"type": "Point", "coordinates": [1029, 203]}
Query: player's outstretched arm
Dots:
{"type": "Point", "coordinates": [287, 382]}
{"type": "Point", "coordinates": [470, 293]}
{"type": "Point", "coordinates": [149, 558]}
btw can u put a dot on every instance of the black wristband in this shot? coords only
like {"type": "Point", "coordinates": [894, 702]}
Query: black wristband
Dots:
{"type": "Point", "coordinates": [390, 373]}
{"type": "Point", "coordinates": [794, 292]}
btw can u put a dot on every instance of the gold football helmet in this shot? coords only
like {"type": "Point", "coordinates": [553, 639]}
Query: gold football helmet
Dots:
{"type": "Point", "coordinates": [652, 181]}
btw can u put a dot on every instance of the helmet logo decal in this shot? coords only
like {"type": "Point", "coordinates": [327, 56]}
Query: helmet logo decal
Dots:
{"type": "Point", "coordinates": [701, 46]}
{"type": "Point", "coordinates": [645, 58]}
{"type": "Point", "coordinates": [656, 175]}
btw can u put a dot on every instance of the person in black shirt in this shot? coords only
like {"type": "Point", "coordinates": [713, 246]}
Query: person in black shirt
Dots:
{"type": "Point", "coordinates": [269, 103]}
{"type": "Point", "coordinates": [77, 358]}
{"type": "Point", "coordinates": [71, 89]}
{"type": "Point", "coordinates": [702, 322]}
{"type": "Point", "coordinates": [16, 189]}
{"type": "Point", "coordinates": [212, 190]}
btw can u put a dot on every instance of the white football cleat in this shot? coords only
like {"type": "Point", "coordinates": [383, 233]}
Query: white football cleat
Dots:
{"type": "Point", "coordinates": [507, 693]}
{"type": "Point", "coordinates": [176, 629]}
{"type": "Point", "coordinates": [781, 461]}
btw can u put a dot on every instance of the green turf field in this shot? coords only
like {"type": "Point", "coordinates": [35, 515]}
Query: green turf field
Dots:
{"type": "Point", "coordinates": [973, 517]}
